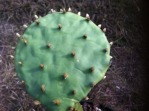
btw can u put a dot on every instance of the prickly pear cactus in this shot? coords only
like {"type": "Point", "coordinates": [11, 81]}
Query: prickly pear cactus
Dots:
{"type": "Point", "coordinates": [60, 57]}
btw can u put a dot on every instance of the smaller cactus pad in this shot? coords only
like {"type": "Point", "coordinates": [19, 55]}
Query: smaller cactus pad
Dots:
{"type": "Point", "coordinates": [60, 57]}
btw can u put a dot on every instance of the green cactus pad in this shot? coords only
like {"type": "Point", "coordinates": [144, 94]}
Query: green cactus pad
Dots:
{"type": "Point", "coordinates": [60, 57]}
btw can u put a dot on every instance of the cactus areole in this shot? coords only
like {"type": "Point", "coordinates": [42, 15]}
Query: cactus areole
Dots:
{"type": "Point", "coordinates": [60, 57]}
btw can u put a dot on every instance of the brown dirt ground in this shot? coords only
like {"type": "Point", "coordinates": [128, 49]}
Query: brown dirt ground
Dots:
{"type": "Point", "coordinates": [122, 90]}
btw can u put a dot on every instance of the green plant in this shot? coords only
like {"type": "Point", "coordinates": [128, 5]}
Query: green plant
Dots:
{"type": "Point", "coordinates": [60, 57]}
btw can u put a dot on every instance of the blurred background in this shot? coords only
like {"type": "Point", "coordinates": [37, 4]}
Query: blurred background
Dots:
{"type": "Point", "coordinates": [124, 86]}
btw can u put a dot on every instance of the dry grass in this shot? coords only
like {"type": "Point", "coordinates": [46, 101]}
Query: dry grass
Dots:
{"type": "Point", "coordinates": [121, 90]}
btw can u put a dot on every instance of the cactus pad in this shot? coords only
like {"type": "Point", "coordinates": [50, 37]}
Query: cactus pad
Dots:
{"type": "Point", "coordinates": [60, 57]}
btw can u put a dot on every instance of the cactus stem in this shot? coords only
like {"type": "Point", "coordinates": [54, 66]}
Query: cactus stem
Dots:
{"type": "Point", "coordinates": [87, 17]}
{"type": "Point", "coordinates": [59, 26]}
{"type": "Point", "coordinates": [42, 66]}
{"type": "Point", "coordinates": [92, 69]}
{"type": "Point", "coordinates": [18, 35]}
{"type": "Point", "coordinates": [73, 53]}
{"type": "Point", "coordinates": [104, 30]}
{"type": "Point", "coordinates": [79, 13]}
{"type": "Point", "coordinates": [99, 25]}
{"type": "Point", "coordinates": [65, 75]}
{"type": "Point", "coordinates": [61, 45]}
{"type": "Point", "coordinates": [85, 36]}
{"type": "Point", "coordinates": [57, 102]}
{"type": "Point", "coordinates": [69, 9]}
{"type": "Point", "coordinates": [43, 88]}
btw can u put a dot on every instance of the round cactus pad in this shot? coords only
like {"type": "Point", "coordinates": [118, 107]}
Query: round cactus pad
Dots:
{"type": "Point", "coordinates": [60, 57]}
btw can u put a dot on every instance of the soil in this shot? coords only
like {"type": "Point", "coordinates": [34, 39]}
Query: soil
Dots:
{"type": "Point", "coordinates": [123, 87]}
